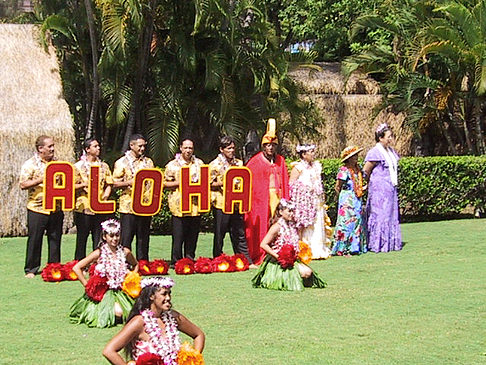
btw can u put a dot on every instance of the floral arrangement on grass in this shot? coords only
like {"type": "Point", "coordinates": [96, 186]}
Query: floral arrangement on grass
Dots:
{"type": "Point", "coordinates": [53, 272]}
{"type": "Point", "coordinates": [188, 355]}
{"type": "Point", "coordinates": [203, 265]}
{"type": "Point", "coordinates": [159, 267]}
{"type": "Point", "coordinates": [241, 262]}
{"type": "Point", "coordinates": [184, 266]}
{"type": "Point", "coordinates": [96, 288]}
{"type": "Point", "coordinates": [223, 263]}
{"type": "Point", "coordinates": [67, 271]}
{"type": "Point", "coordinates": [144, 267]}
{"type": "Point", "coordinates": [305, 253]}
{"type": "Point", "coordinates": [131, 284]}
{"type": "Point", "coordinates": [287, 256]}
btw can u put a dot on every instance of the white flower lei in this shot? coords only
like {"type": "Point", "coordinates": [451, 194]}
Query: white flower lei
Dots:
{"type": "Point", "coordinates": [86, 165]}
{"type": "Point", "coordinates": [195, 168]}
{"type": "Point", "coordinates": [287, 235]}
{"type": "Point", "coordinates": [131, 159]}
{"type": "Point", "coordinates": [113, 267]}
{"type": "Point", "coordinates": [166, 346]}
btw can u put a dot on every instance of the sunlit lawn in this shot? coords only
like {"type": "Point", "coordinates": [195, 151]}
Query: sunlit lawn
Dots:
{"type": "Point", "coordinates": [423, 305]}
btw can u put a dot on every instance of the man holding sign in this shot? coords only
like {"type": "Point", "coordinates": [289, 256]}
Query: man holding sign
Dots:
{"type": "Point", "coordinates": [39, 220]}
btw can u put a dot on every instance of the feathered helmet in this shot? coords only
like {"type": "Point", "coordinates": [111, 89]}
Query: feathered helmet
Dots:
{"type": "Point", "coordinates": [350, 151]}
{"type": "Point", "coordinates": [158, 282]}
{"type": "Point", "coordinates": [270, 136]}
{"type": "Point", "coordinates": [110, 226]}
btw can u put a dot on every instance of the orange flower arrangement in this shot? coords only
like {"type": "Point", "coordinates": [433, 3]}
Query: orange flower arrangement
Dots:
{"type": "Point", "coordinates": [241, 262]}
{"type": "Point", "coordinates": [305, 253]}
{"type": "Point", "coordinates": [144, 267]}
{"type": "Point", "coordinates": [53, 272]}
{"type": "Point", "coordinates": [188, 355]}
{"type": "Point", "coordinates": [131, 284]}
{"type": "Point", "coordinates": [159, 267]}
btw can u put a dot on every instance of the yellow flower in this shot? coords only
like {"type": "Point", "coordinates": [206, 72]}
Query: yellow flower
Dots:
{"type": "Point", "coordinates": [188, 355]}
{"type": "Point", "coordinates": [131, 284]}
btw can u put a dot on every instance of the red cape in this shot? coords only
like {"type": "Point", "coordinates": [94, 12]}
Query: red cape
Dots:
{"type": "Point", "coordinates": [256, 221]}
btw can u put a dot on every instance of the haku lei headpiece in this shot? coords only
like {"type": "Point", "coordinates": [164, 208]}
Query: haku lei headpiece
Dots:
{"type": "Point", "coordinates": [305, 147]}
{"type": "Point", "coordinates": [110, 226]}
{"type": "Point", "coordinates": [286, 204]}
{"type": "Point", "coordinates": [157, 282]}
{"type": "Point", "coordinates": [382, 127]}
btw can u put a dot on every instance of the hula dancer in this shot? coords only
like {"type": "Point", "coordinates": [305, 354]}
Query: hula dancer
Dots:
{"type": "Point", "coordinates": [285, 265]}
{"type": "Point", "coordinates": [104, 302]}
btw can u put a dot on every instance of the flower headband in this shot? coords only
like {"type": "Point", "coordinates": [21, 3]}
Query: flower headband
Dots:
{"type": "Point", "coordinates": [110, 226]}
{"type": "Point", "coordinates": [382, 127]}
{"type": "Point", "coordinates": [157, 282]}
{"type": "Point", "coordinates": [286, 204]}
{"type": "Point", "coordinates": [305, 148]}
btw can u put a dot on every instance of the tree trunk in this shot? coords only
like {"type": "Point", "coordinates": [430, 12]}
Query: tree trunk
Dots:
{"type": "Point", "coordinates": [95, 92]}
{"type": "Point", "coordinates": [134, 123]}
{"type": "Point", "coordinates": [477, 126]}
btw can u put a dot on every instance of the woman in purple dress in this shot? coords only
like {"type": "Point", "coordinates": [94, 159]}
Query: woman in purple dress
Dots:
{"type": "Point", "coordinates": [381, 167]}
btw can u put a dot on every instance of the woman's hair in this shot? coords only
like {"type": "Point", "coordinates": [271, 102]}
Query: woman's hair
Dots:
{"type": "Point", "coordinates": [381, 130]}
{"type": "Point", "coordinates": [283, 204]}
{"type": "Point", "coordinates": [143, 302]}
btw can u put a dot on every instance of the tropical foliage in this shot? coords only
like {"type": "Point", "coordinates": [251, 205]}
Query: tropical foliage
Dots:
{"type": "Point", "coordinates": [432, 68]}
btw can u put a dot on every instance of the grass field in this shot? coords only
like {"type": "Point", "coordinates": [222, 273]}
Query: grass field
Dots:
{"type": "Point", "coordinates": [423, 305]}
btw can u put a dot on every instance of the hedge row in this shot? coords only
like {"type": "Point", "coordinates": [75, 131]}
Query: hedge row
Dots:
{"type": "Point", "coordinates": [429, 188]}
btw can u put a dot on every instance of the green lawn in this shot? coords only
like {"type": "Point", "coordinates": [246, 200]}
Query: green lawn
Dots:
{"type": "Point", "coordinates": [423, 305]}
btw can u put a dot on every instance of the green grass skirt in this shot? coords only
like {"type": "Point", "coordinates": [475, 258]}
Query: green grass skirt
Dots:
{"type": "Point", "coordinates": [270, 275]}
{"type": "Point", "coordinates": [100, 314]}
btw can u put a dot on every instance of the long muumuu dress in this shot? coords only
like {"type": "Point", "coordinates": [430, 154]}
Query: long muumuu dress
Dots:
{"type": "Point", "coordinates": [349, 236]}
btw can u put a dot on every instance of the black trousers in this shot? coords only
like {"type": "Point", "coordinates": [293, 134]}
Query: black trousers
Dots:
{"type": "Point", "coordinates": [234, 224]}
{"type": "Point", "coordinates": [138, 226]}
{"type": "Point", "coordinates": [85, 225]}
{"type": "Point", "coordinates": [185, 231]}
{"type": "Point", "coordinates": [37, 224]}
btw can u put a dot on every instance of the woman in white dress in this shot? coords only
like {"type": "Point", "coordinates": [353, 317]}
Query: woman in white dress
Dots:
{"type": "Point", "coordinates": [307, 194]}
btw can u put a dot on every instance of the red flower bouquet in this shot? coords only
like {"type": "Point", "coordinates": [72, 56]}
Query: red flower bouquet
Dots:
{"type": "Point", "coordinates": [184, 266]}
{"type": "Point", "coordinates": [287, 256]}
{"type": "Point", "coordinates": [52, 272]}
{"type": "Point", "coordinates": [91, 270]}
{"type": "Point", "coordinates": [67, 271]}
{"type": "Point", "coordinates": [96, 288]}
{"type": "Point", "coordinates": [203, 265]}
{"type": "Point", "coordinates": [149, 359]}
{"type": "Point", "coordinates": [144, 267]}
{"type": "Point", "coordinates": [223, 263]}
{"type": "Point", "coordinates": [159, 267]}
{"type": "Point", "coordinates": [241, 262]}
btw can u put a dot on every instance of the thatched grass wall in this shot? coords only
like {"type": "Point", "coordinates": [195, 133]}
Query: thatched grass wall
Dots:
{"type": "Point", "coordinates": [346, 110]}
{"type": "Point", "coordinates": [31, 104]}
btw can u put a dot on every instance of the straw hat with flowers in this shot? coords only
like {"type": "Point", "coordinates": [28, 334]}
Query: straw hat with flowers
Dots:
{"type": "Point", "coordinates": [349, 152]}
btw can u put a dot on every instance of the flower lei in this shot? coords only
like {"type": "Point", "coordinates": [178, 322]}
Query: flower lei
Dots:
{"type": "Point", "coordinates": [287, 235]}
{"type": "Point", "coordinates": [86, 165]}
{"type": "Point", "coordinates": [166, 346]}
{"type": "Point", "coordinates": [357, 185]}
{"type": "Point", "coordinates": [194, 167]}
{"type": "Point", "coordinates": [113, 267]}
{"type": "Point", "coordinates": [131, 159]}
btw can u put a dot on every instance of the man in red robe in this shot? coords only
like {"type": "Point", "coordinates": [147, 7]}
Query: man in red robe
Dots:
{"type": "Point", "coordinates": [270, 184]}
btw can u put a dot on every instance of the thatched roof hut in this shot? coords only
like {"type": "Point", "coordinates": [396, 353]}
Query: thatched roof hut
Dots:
{"type": "Point", "coordinates": [31, 104]}
{"type": "Point", "coordinates": [346, 110]}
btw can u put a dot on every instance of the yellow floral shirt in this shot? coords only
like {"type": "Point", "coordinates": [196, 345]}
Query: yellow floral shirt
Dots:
{"type": "Point", "coordinates": [218, 167]}
{"type": "Point", "coordinates": [35, 168]}
{"type": "Point", "coordinates": [82, 171]}
{"type": "Point", "coordinates": [173, 173]}
{"type": "Point", "coordinates": [124, 170]}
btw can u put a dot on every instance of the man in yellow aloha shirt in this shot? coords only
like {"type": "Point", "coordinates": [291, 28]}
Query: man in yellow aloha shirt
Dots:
{"type": "Point", "coordinates": [85, 219]}
{"type": "Point", "coordinates": [123, 174]}
{"type": "Point", "coordinates": [185, 226]}
{"type": "Point", "coordinates": [38, 219]}
{"type": "Point", "coordinates": [232, 223]}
